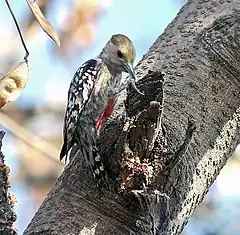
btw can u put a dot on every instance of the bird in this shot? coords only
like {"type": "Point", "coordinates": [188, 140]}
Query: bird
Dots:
{"type": "Point", "coordinates": [92, 95]}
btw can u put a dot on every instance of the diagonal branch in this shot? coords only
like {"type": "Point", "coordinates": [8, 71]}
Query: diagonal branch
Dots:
{"type": "Point", "coordinates": [199, 84]}
{"type": "Point", "coordinates": [29, 138]}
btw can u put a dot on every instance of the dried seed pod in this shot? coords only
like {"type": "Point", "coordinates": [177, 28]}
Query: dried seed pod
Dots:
{"type": "Point", "coordinates": [13, 83]}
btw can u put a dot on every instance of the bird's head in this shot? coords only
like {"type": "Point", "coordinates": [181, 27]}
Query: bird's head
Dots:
{"type": "Point", "coordinates": [120, 53]}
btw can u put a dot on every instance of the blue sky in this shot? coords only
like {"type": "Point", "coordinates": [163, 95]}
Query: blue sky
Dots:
{"type": "Point", "coordinates": [143, 21]}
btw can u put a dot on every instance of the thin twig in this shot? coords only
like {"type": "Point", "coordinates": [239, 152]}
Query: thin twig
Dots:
{"type": "Point", "coordinates": [19, 31]}
{"type": "Point", "coordinates": [30, 139]}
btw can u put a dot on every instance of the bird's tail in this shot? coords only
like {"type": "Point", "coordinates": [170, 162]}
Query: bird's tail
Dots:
{"type": "Point", "coordinates": [88, 149]}
{"type": "Point", "coordinates": [99, 170]}
{"type": "Point", "coordinates": [63, 151]}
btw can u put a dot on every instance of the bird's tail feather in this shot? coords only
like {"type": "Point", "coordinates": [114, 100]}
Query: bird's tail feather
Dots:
{"type": "Point", "coordinates": [63, 151]}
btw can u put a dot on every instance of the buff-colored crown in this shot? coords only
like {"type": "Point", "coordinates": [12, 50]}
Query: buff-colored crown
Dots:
{"type": "Point", "coordinates": [125, 46]}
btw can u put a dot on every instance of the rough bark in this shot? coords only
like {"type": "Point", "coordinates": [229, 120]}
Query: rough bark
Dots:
{"type": "Point", "coordinates": [199, 53]}
{"type": "Point", "coordinates": [7, 213]}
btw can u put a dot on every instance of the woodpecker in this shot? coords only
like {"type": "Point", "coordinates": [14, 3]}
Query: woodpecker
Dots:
{"type": "Point", "coordinates": [92, 95]}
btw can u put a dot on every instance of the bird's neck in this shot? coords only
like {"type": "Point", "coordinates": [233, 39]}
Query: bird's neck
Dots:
{"type": "Point", "coordinates": [113, 69]}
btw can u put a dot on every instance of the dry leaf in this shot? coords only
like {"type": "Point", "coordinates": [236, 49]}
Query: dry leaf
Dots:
{"type": "Point", "coordinates": [13, 83]}
{"type": "Point", "coordinates": [43, 22]}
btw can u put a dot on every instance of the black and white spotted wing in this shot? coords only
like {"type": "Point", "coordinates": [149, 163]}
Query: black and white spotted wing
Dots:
{"type": "Point", "coordinates": [78, 95]}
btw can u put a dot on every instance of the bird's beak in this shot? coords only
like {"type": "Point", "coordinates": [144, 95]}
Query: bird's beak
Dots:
{"type": "Point", "coordinates": [130, 70]}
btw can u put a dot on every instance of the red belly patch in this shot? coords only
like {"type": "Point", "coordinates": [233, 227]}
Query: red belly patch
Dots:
{"type": "Point", "coordinates": [106, 113]}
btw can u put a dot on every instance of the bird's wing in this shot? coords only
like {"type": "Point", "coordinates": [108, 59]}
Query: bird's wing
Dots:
{"type": "Point", "coordinates": [80, 90]}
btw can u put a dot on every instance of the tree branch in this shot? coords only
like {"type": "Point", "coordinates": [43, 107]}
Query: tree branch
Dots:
{"type": "Point", "coordinates": [199, 53]}
{"type": "Point", "coordinates": [30, 139]}
{"type": "Point", "coordinates": [7, 214]}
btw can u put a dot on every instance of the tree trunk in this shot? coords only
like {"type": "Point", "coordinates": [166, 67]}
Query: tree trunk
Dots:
{"type": "Point", "coordinates": [200, 54]}
{"type": "Point", "coordinates": [7, 213]}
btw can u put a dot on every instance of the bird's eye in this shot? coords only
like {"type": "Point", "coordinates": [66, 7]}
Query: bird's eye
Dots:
{"type": "Point", "coordinates": [119, 53]}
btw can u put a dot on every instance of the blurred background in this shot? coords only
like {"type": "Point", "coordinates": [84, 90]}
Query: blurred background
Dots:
{"type": "Point", "coordinates": [34, 122]}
